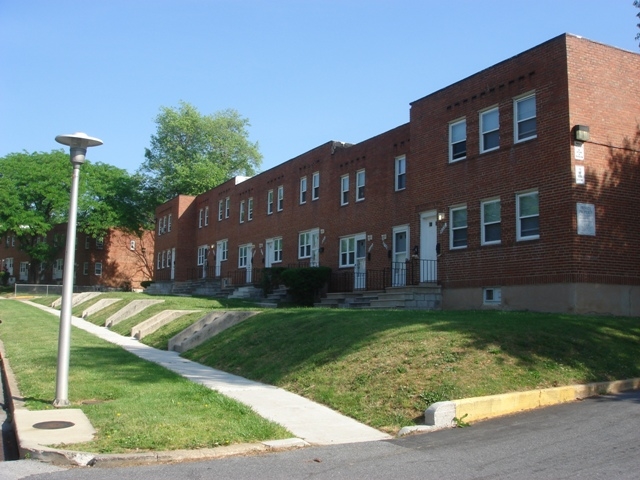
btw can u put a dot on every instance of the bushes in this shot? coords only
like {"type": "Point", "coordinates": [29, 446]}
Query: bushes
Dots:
{"type": "Point", "coordinates": [146, 283]}
{"type": "Point", "coordinates": [271, 278]}
{"type": "Point", "coordinates": [304, 284]}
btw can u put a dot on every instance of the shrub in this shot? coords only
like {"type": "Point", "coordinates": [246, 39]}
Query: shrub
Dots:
{"type": "Point", "coordinates": [304, 284]}
{"type": "Point", "coordinates": [271, 278]}
{"type": "Point", "coordinates": [146, 283]}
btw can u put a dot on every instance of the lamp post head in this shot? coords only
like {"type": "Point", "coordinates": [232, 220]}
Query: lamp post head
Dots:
{"type": "Point", "coordinates": [78, 143]}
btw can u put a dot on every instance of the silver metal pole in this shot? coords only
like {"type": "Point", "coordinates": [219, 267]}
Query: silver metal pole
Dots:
{"type": "Point", "coordinates": [64, 338]}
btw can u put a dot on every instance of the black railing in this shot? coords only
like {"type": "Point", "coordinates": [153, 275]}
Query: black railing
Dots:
{"type": "Point", "coordinates": [399, 274]}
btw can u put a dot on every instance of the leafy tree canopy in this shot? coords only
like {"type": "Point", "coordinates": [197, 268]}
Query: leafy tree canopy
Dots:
{"type": "Point", "coordinates": [192, 153]}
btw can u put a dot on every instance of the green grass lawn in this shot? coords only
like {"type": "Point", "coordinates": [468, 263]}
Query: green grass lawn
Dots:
{"type": "Point", "coordinates": [132, 403]}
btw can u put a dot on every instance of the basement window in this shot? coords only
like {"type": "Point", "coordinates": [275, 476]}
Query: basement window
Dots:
{"type": "Point", "coordinates": [492, 296]}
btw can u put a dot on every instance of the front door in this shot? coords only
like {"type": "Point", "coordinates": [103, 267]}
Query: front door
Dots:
{"type": "Point", "coordinates": [268, 253]}
{"type": "Point", "coordinates": [360, 270]}
{"type": "Point", "coordinates": [219, 257]}
{"type": "Point", "coordinates": [400, 256]}
{"type": "Point", "coordinates": [428, 247]}
{"type": "Point", "coordinates": [314, 261]}
{"type": "Point", "coordinates": [172, 263]}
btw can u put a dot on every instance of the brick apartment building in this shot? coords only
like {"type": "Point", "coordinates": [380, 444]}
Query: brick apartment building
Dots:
{"type": "Point", "coordinates": [517, 187]}
{"type": "Point", "coordinates": [117, 260]}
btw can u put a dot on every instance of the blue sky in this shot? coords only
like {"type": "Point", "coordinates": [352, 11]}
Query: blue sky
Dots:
{"type": "Point", "coordinates": [302, 72]}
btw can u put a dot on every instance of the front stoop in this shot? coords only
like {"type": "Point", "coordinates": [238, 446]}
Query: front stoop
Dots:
{"type": "Point", "coordinates": [420, 297]}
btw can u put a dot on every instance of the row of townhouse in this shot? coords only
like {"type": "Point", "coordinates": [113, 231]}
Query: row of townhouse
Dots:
{"type": "Point", "coordinates": [116, 260]}
{"type": "Point", "coordinates": [517, 188]}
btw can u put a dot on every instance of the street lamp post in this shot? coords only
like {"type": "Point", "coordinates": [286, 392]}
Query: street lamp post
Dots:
{"type": "Point", "coordinates": [78, 144]}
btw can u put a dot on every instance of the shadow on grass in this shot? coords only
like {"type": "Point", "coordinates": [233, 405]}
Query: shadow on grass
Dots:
{"type": "Point", "coordinates": [275, 344]}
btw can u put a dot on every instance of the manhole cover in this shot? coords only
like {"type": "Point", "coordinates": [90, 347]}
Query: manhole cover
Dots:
{"type": "Point", "coordinates": [53, 425]}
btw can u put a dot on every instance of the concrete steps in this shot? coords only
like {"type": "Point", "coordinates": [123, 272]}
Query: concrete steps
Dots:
{"type": "Point", "coordinates": [129, 311]}
{"type": "Point", "coordinates": [158, 321]}
{"type": "Point", "coordinates": [419, 297]}
{"type": "Point", "coordinates": [99, 305]}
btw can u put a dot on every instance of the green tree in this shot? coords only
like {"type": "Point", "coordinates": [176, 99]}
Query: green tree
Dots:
{"type": "Point", "coordinates": [192, 153]}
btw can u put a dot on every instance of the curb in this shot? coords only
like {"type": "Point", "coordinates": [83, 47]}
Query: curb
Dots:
{"type": "Point", "coordinates": [450, 413]}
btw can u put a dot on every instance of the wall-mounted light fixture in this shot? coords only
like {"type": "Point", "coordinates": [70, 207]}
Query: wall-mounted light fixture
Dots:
{"type": "Point", "coordinates": [440, 216]}
{"type": "Point", "coordinates": [581, 133]}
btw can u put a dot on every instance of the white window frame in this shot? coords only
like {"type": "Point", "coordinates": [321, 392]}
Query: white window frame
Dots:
{"type": "Point", "coordinates": [280, 204]}
{"type": "Point", "coordinates": [360, 183]}
{"type": "Point", "coordinates": [169, 223]}
{"type": "Point", "coordinates": [520, 217]}
{"type": "Point", "coordinates": [461, 122]}
{"type": "Point", "coordinates": [277, 250]}
{"type": "Point", "coordinates": [270, 202]}
{"type": "Point", "coordinates": [224, 254]}
{"type": "Point", "coordinates": [97, 269]}
{"type": "Point", "coordinates": [250, 209]}
{"type": "Point", "coordinates": [304, 245]}
{"type": "Point", "coordinates": [206, 216]}
{"type": "Point", "coordinates": [517, 102]}
{"type": "Point", "coordinates": [458, 227]}
{"type": "Point", "coordinates": [347, 251]}
{"type": "Point", "coordinates": [87, 242]}
{"type": "Point", "coordinates": [244, 255]}
{"type": "Point", "coordinates": [220, 210]}
{"type": "Point", "coordinates": [242, 211]}
{"type": "Point", "coordinates": [159, 261]}
{"type": "Point", "coordinates": [85, 268]}
{"type": "Point", "coordinates": [100, 243]}
{"type": "Point", "coordinates": [227, 207]}
{"type": "Point", "coordinates": [492, 296]}
{"type": "Point", "coordinates": [487, 223]}
{"type": "Point", "coordinates": [486, 129]}
{"type": "Point", "coordinates": [344, 189]}
{"type": "Point", "coordinates": [303, 190]}
{"type": "Point", "coordinates": [315, 186]}
{"type": "Point", "coordinates": [202, 255]}
{"type": "Point", "coordinates": [164, 224]}
{"type": "Point", "coordinates": [164, 259]}
{"type": "Point", "coordinates": [400, 173]}
{"type": "Point", "coordinates": [200, 218]}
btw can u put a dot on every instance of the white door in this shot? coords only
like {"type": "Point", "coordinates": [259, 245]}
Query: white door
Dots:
{"type": "Point", "coordinates": [268, 253]}
{"type": "Point", "coordinates": [428, 247]}
{"type": "Point", "coordinates": [314, 261]}
{"type": "Point", "coordinates": [360, 270]}
{"type": "Point", "coordinates": [400, 256]}
{"type": "Point", "coordinates": [24, 271]}
{"type": "Point", "coordinates": [250, 263]}
{"type": "Point", "coordinates": [173, 263]}
{"type": "Point", "coordinates": [219, 257]}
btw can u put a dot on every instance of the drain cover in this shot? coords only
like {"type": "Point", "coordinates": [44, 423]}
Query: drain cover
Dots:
{"type": "Point", "coordinates": [53, 425]}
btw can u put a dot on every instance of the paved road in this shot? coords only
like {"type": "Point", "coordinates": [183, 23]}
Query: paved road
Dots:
{"type": "Point", "coordinates": [596, 438]}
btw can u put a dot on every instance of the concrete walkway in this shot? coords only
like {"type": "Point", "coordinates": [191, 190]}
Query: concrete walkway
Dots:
{"type": "Point", "coordinates": [310, 421]}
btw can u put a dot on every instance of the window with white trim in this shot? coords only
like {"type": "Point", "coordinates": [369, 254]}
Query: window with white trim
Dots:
{"type": "Point", "coordinates": [315, 186]}
{"type": "Point", "coordinates": [528, 216]}
{"type": "Point", "coordinates": [202, 254]}
{"type": "Point", "coordinates": [489, 130]}
{"type": "Point", "coordinates": [168, 258]}
{"type": "Point", "coordinates": [347, 251]}
{"type": "Point", "coordinates": [490, 219]}
{"type": "Point", "coordinates": [492, 296]}
{"type": "Point", "coordinates": [87, 242]}
{"type": "Point", "coordinates": [304, 245]}
{"type": "Point", "coordinates": [200, 217]}
{"type": "Point", "coordinates": [360, 185]}
{"type": "Point", "coordinates": [223, 250]}
{"type": "Point", "coordinates": [164, 224]}
{"type": "Point", "coordinates": [280, 198]}
{"type": "Point", "coordinates": [206, 216]}
{"type": "Point", "coordinates": [98, 268]}
{"type": "Point", "coordinates": [344, 190]}
{"type": "Point", "coordinates": [269, 202]}
{"type": "Point", "coordinates": [401, 173]}
{"type": "Point", "coordinates": [220, 209]}
{"type": "Point", "coordinates": [277, 250]}
{"type": "Point", "coordinates": [458, 229]}
{"type": "Point", "coordinates": [85, 268]}
{"type": "Point", "coordinates": [227, 207]}
{"type": "Point", "coordinates": [458, 140]}
{"type": "Point", "coordinates": [303, 190]}
{"type": "Point", "coordinates": [164, 259]}
{"type": "Point", "coordinates": [250, 209]}
{"type": "Point", "coordinates": [242, 211]}
{"type": "Point", "coordinates": [525, 118]}
{"type": "Point", "coordinates": [244, 253]}
{"type": "Point", "coordinates": [159, 261]}
{"type": "Point", "coordinates": [169, 223]}
{"type": "Point", "coordinates": [100, 243]}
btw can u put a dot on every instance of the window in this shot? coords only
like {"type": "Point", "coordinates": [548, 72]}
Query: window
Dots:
{"type": "Point", "coordinates": [277, 250]}
{"type": "Point", "coordinates": [202, 254]}
{"type": "Point", "coordinates": [525, 118]}
{"type": "Point", "coordinates": [458, 217]}
{"type": "Point", "coordinates": [132, 245]}
{"type": "Point", "coordinates": [223, 250]}
{"type": "Point", "coordinates": [303, 190]}
{"type": "Point", "coordinates": [159, 261]}
{"type": "Point", "coordinates": [270, 202]}
{"type": "Point", "coordinates": [227, 207]}
{"type": "Point", "coordinates": [315, 186]}
{"type": "Point", "coordinates": [244, 251]}
{"type": "Point", "coordinates": [87, 242]}
{"type": "Point", "coordinates": [280, 198]}
{"type": "Point", "coordinates": [527, 211]}
{"type": "Point", "coordinates": [304, 245]}
{"type": "Point", "coordinates": [457, 141]}
{"type": "Point", "coordinates": [13, 240]}
{"type": "Point", "coordinates": [401, 173]}
{"type": "Point", "coordinates": [242, 211]}
{"type": "Point", "coordinates": [206, 216]}
{"type": "Point", "coordinates": [85, 268]}
{"type": "Point", "coordinates": [160, 226]}
{"type": "Point", "coordinates": [98, 268]}
{"type": "Point", "coordinates": [164, 224]}
{"type": "Point", "coordinates": [169, 223]}
{"type": "Point", "coordinates": [492, 296]}
{"type": "Point", "coordinates": [168, 258]}
{"type": "Point", "coordinates": [489, 130]}
{"type": "Point", "coordinates": [348, 252]}
{"type": "Point", "coordinates": [359, 185]}
{"type": "Point", "coordinates": [344, 190]}
{"type": "Point", "coordinates": [200, 218]}
{"type": "Point", "coordinates": [490, 213]}
{"type": "Point", "coordinates": [99, 243]}
{"type": "Point", "coordinates": [164, 259]}
{"type": "Point", "coordinates": [250, 209]}
{"type": "Point", "coordinates": [220, 209]}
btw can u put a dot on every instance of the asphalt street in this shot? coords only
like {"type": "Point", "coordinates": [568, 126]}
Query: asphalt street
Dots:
{"type": "Point", "coordinates": [596, 438]}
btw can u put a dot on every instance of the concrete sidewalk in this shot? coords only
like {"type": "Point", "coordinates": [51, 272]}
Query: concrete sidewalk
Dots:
{"type": "Point", "coordinates": [310, 421]}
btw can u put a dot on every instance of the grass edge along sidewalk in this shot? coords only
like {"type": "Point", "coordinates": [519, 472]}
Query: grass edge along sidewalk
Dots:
{"type": "Point", "coordinates": [134, 405]}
